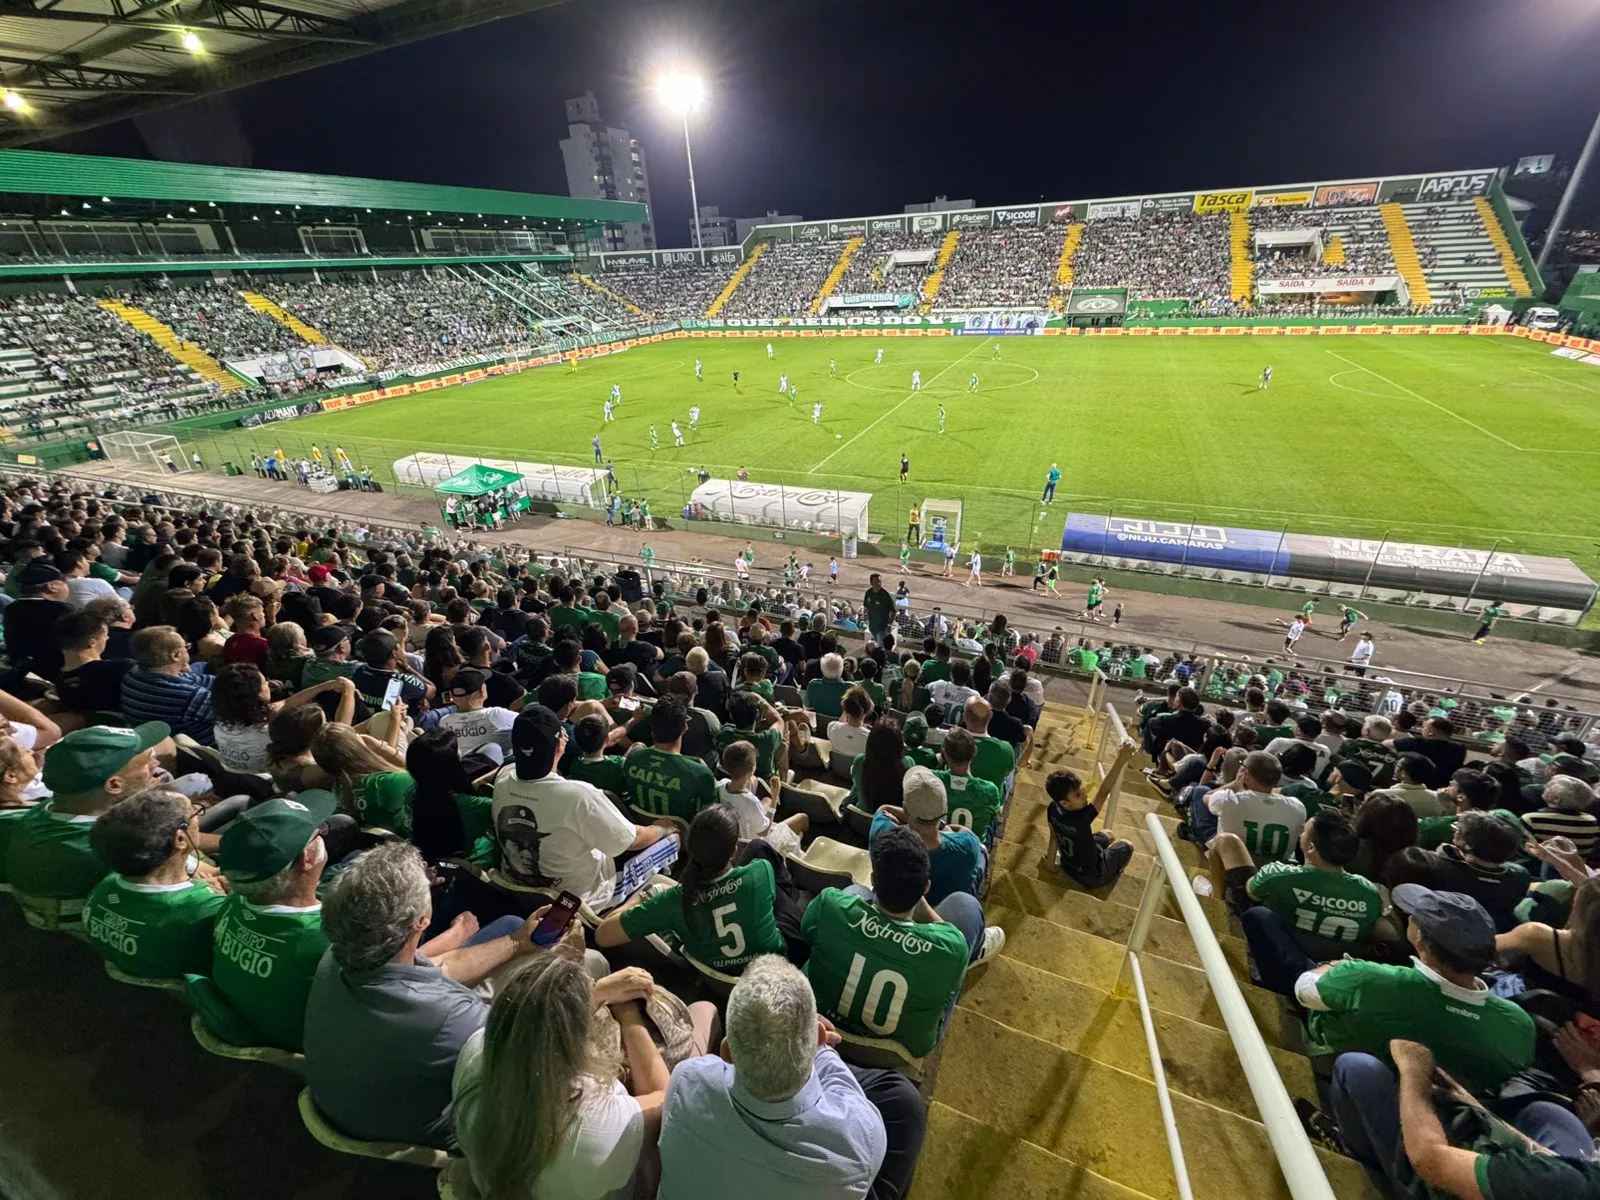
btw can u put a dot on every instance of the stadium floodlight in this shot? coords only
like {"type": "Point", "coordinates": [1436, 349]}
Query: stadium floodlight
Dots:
{"type": "Point", "coordinates": [684, 94]}
{"type": "Point", "coordinates": [13, 100]}
{"type": "Point", "coordinates": [191, 41]}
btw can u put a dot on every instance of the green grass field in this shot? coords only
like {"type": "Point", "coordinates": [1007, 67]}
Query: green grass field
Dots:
{"type": "Point", "coordinates": [1455, 441]}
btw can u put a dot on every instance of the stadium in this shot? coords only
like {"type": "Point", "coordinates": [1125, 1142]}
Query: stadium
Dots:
{"type": "Point", "coordinates": [421, 616]}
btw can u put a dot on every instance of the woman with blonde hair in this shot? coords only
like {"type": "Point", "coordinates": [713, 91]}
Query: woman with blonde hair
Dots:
{"type": "Point", "coordinates": [1565, 960]}
{"type": "Point", "coordinates": [369, 775]}
{"type": "Point", "coordinates": [287, 654]}
{"type": "Point", "coordinates": [539, 1113]}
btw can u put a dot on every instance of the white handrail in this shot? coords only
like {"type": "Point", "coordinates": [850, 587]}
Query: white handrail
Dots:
{"type": "Point", "coordinates": [1115, 736]}
{"type": "Point", "coordinates": [1297, 1159]}
{"type": "Point", "coordinates": [1180, 1168]}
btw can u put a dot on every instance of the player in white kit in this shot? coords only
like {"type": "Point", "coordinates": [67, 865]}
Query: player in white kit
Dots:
{"type": "Point", "coordinates": [816, 413]}
{"type": "Point", "coordinates": [677, 435]}
{"type": "Point", "coordinates": [698, 368]}
{"type": "Point", "coordinates": [783, 384]}
{"type": "Point", "coordinates": [694, 417]}
{"type": "Point", "coordinates": [878, 361]}
{"type": "Point", "coordinates": [916, 381]}
{"type": "Point", "coordinates": [609, 417]}
{"type": "Point", "coordinates": [769, 349]}
{"type": "Point", "coordinates": [616, 393]}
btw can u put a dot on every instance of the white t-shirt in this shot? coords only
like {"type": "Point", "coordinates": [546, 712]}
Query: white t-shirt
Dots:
{"type": "Point", "coordinates": [81, 591]}
{"type": "Point", "coordinates": [1362, 654]}
{"type": "Point", "coordinates": [950, 696]}
{"type": "Point", "coordinates": [600, 1153]}
{"type": "Point", "coordinates": [846, 739]}
{"type": "Point", "coordinates": [1277, 746]}
{"type": "Point", "coordinates": [27, 736]}
{"type": "Point", "coordinates": [1268, 822]}
{"type": "Point", "coordinates": [486, 727]}
{"type": "Point", "coordinates": [753, 815]}
{"type": "Point", "coordinates": [559, 833]}
{"type": "Point", "coordinates": [243, 747]}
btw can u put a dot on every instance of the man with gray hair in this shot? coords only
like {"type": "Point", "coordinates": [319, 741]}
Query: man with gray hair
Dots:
{"type": "Point", "coordinates": [780, 1115]}
{"type": "Point", "coordinates": [388, 1012]}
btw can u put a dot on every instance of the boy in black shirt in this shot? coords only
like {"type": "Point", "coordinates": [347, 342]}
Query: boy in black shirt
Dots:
{"type": "Point", "coordinates": [1091, 859]}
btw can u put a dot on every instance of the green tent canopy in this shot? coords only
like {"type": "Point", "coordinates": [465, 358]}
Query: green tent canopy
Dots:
{"type": "Point", "coordinates": [477, 480]}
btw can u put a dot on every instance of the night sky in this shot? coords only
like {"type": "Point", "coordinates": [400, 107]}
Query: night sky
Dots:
{"type": "Point", "coordinates": [829, 108]}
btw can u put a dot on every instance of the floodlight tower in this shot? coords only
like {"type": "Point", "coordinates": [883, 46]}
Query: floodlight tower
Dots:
{"type": "Point", "coordinates": [684, 94]}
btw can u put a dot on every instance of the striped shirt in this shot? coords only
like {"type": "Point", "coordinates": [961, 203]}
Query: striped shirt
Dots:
{"type": "Point", "coordinates": [1581, 827]}
{"type": "Point", "coordinates": [182, 701]}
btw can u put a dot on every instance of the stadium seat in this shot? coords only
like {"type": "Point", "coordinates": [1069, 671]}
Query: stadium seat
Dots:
{"type": "Point", "coordinates": [403, 1152]}
{"type": "Point", "coordinates": [224, 779]}
{"type": "Point", "coordinates": [160, 985]}
{"type": "Point", "coordinates": [885, 1054]}
{"type": "Point", "coordinates": [50, 914]}
{"type": "Point", "coordinates": [715, 980]}
{"type": "Point", "coordinates": [288, 1060]}
{"type": "Point", "coordinates": [820, 807]}
{"type": "Point", "coordinates": [644, 816]}
{"type": "Point", "coordinates": [827, 857]}
{"type": "Point", "coordinates": [857, 821]}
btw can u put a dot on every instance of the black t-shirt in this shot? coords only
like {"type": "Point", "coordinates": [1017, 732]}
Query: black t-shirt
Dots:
{"type": "Point", "coordinates": [639, 654]}
{"type": "Point", "coordinates": [1073, 828]}
{"type": "Point", "coordinates": [1007, 728]}
{"type": "Point", "coordinates": [1187, 727]}
{"type": "Point", "coordinates": [630, 585]}
{"type": "Point", "coordinates": [789, 650]}
{"type": "Point", "coordinates": [1498, 891]}
{"type": "Point", "coordinates": [371, 683]}
{"type": "Point", "coordinates": [712, 694]}
{"type": "Point", "coordinates": [1448, 757]}
{"type": "Point", "coordinates": [93, 687]}
{"type": "Point", "coordinates": [30, 625]}
{"type": "Point", "coordinates": [504, 691]}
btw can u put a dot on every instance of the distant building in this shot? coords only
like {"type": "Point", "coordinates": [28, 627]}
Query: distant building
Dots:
{"type": "Point", "coordinates": [715, 229]}
{"type": "Point", "coordinates": [743, 225]}
{"type": "Point", "coordinates": [939, 204]}
{"type": "Point", "coordinates": [606, 163]}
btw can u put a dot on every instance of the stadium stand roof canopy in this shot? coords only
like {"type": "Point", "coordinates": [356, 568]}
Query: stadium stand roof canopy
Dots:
{"type": "Point", "coordinates": [114, 186]}
{"type": "Point", "coordinates": [80, 63]}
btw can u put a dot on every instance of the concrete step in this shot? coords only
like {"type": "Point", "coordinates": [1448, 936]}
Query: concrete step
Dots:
{"type": "Point", "coordinates": [1095, 962]}
{"type": "Point", "coordinates": [960, 1151]}
{"type": "Point", "coordinates": [1199, 1059]}
{"type": "Point", "coordinates": [1088, 1112]}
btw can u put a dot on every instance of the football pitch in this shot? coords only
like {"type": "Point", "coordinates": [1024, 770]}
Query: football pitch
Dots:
{"type": "Point", "coordinates": [1450, 440]}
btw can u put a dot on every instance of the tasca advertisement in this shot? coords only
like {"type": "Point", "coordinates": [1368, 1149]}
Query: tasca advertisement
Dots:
{"type": "Point", "coordinates": [1223, 202]}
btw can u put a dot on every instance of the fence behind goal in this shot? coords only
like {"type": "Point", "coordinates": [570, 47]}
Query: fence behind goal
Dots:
{"type": "Point", "coordinates": [154, 451]}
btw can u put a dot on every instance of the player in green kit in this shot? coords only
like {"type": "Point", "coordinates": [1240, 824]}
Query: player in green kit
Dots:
{"type": "Point", "coordinates": [941, 418]}
{"type": "Point", "coordinates": [905, 559]}
{"type": "Point", "coordinates": [996, 355]}
{"type": "Point", "coordinates": [723, 915]}
{"type": "Point", "coordinates": [794, 394]}
{"type": "Point", "coordinates": [655, 440]}
{"type": "Point", "coordinates": [1347, 619]}
{"type": "Point", "coordinates": [972, 384]}
{"type": "Point", "coordinates": [1008, 565]}
{"type": "Point", "coordinates": [891, 966]}
{"type": "Point", "coordinates": [1491, 613]}
{"type": "Point", "coordinates": [151, 918]}
{"type": "Point", "coordinates": [663, 780]}
{"type": "Point", "coordinates": [833, 369]}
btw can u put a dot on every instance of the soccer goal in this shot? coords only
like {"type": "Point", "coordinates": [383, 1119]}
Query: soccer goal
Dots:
{"type": "Point", "coordinates": [150, 451]}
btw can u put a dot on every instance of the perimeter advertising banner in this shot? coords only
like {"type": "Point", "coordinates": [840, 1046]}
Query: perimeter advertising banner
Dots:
{"type": "Point", "coordinates": [1336, 194]}
{"type": "Point", "coordinates": [927, 222]}
{"type": "Point", "coordinates": [1016, 216]}
{"type": "Point", "coordinates": [1282, 199]}
{"type": "Point", "coordinates": [1169, 204]}
{"type": "Point", "coordinates": [1223, 202]}
{"type": "Point", "coordinates": [970, 219]}
{"type": "Point", "coordinates": [1113, 208]}
{"type": "Point", "coordinates": [1448, 570]}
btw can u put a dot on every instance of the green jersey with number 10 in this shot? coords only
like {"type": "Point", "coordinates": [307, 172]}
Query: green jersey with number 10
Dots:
{"type": "Point", "coordinates": [879, 977]}
{"type": "Point", "coordinates": [1333, 905]}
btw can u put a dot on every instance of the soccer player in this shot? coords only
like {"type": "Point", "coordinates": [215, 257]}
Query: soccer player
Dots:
{"type": "Point", "coordinates": [816, 413]}
{"type": "Point", "coordinates": [905, 467]}
{"type": "Point", "coordinates": [1008, 565]}
{"type": "Point", "coordinates": [1347, 618]}
{"type": "Point", "coordinates": [736, 381]}
{"type": "Point", "coordinates": [609, 417]}
{"type": "Point", "coordinates": [1292, 635]}
{"type": "Point", "coordinates": [833, 570]}
{"type": "Point", "coordinates": [1097, 597]}
{"type": "Point", "coordinates": [1308, 610]}
{"type": "Point", "coordinates": [905, 559]}
{"type": "Point", "coordinates": [916, 381]}
{"type": "Point", "coordinates": [655, 440]}
{"type": "Point", "coordinates": [742, 567]}
{"type": "Point", "coordinates": [805, 571]}
{"type": "Point", "coordinates": [833, 368]}
{"type": "Point", "coordinates": [1492, 613]}
{"type": "Point", "coordinates": [996, 354]}
{"type": "Point", "coordinates": [595, 442]}
{"type": "Point", "coordinates": [1266, 378]}
{"type": "Point", "coordinates": [699, 370]}
{"type": "Point", "coordinates": [972, 384]}
{"type": "Point", "coordinates": [974, 569]}
{"type": "Point", "coordinates": [783, 384]}
{"type": "Point", "coordinates": [941, 418]}
{"type": "Point", "coordinates": [694, 416]}
{"type": "Point", "coordinates": [794, 393]}
{"type": "Point", "coordinates": [769, 349]}
{"type": "Point", "coordinates": [677, 435]}
{"type": "Point", "coordinates": [1050, 481]}
{"type": "Point", "coordinates": [616, 393]}
{"type": "Point", "coordinates": [878, 361]}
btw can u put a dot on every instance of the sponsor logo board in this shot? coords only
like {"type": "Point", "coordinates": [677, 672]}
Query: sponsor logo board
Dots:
{"type": "Point", "coordinates": [1223, 202]}
{"type": "Point", "coordinates": [927, 222]}
{"type": "Point", "coordinates": [1116, 208]}
{"type": "Point", "coordinates": [1346, 193]}
{"type": "Point", "coordinates": [1282, 199]}
{"type": "Point", "coordinates": [1067, 212]}
{"type": "Point", "coordinates": [1454, 187]}
{"type": "Point", "coordinates": [971, 219]}
{"type": "Point", "coordinates": [886, 224]}
{"type": "Point", "coordinates": [1016, 216]}
{"type": "Point", "coordinates": [1167, 204]}
{"type": "Point", "coordinates": [1097, 306]}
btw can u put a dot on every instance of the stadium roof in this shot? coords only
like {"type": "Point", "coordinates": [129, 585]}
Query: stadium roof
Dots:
{"type": "Point", "coordinates": [44, 173]}
{"type": "Point", "coordinates": [80, 63]}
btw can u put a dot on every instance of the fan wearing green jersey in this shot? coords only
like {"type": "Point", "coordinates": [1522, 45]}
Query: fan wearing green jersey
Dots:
{"type": "Point", "coordinates": [727, 909]}
{"type": "Point", "coordinates": [663, 779]}
{"type": "Point", "coordinates": [887, 963]}
{"type": "Point", "coordinates": [153, 917]}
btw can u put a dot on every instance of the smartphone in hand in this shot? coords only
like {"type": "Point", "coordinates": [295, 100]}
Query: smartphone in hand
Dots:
{"type": "Point", "coordinates": [554, 923]}
{"type": "Point", "coordinates": [391, 693]}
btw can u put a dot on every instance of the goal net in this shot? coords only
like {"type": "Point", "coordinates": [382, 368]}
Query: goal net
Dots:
{"type": "Point", "coordinates": [150, 451]}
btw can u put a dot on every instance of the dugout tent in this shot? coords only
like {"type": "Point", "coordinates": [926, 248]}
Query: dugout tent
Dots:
{"type": "Point", "coordinates": [541, 481]}
{"type": "Point", "coordinates": [477, 480]}
{"type": "Point", "coordinates": [813, 510]}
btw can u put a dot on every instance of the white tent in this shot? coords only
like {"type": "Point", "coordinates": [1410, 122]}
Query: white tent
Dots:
{"type": "Point", "coordinates": [813, 510]}
{"type": "Point", "coordinates": [543, 481]}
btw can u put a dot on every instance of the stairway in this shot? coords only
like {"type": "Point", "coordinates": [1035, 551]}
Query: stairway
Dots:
{"type": "Point", "coordinates": [1404, 251]}
{"type": "Point", "coordinates": [839, 268]}
{"type": "Point", "coordinates": [736, 279]}
{"type": "Point", "coordinates": [1516, 278]}
{"type": "Point", "coordinates": [1069, 247]}
{"type": "Point", "coordinates": [1333, 252]}
{"type": "Point", "coordinates": [597, 286]}
{"type": "Point", "coordinates": [269, 308]}
{"type": "Point", "coordinates": [1242, 274]}
{"type": "Point", "coordinates": [189, 355]}
{"type": "Point", "coordinates": [947, 250]}
{"type": "Point", "coordinates": [1043, 1084]}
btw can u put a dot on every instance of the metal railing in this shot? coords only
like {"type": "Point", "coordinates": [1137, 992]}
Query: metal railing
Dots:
{"type": "Point", "coordinates": [1297, 1159]}
{"type": "Point", "coordinates": [1114, 740]}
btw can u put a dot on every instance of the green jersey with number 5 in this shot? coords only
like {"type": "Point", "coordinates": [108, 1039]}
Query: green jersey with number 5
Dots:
{"type": "Point", "coordinates": [879, 977]}
{"type": "Point", "coordinates": [732, 921]}
{"type": "Point", "coordinates": [1335, 906]}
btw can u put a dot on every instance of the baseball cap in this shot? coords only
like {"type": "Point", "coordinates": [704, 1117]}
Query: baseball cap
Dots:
{"type": "Point", "coordinates": [468, 681]}
{"type": "Point", "coordinates": [38, 574]}
{"type": "Point", "coordinates": [534, 737]}
{"type": "Point", "coordinates": [85, 758]}
{"type": "Point", "coordinates": [326, 637]}
{"type": "Point", "coordinates": [923, 795]}
{"type": "Point", "coordinates": [267, 838]}
{"type": "Point", "coordinates": [1355, 773]}
{"type": "Point", "coordinates": [1571, 764]}
{"type": "Point", "coordinates": [915, 730]}
{"type": "Point", "coordinates": [318, 572]}
{"type": "Point", "coordinates": [1455, 923]}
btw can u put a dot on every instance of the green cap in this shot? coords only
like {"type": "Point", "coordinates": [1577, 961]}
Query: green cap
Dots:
{"type": "Point", "coordinates": [267, 838]}
{"type": "Point", "coordinates": [915, 730]}
{"type": "Point", "coordinates": [86, 758]}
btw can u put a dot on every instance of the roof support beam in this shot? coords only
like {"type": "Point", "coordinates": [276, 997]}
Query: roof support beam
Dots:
{"type": "Point", "coordinates": [60, 75]}
{"type": "Point", "coordinates": [240, 18]}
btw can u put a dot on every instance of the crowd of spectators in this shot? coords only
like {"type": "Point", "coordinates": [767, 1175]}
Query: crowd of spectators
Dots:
{"type": "Point", "coordinates": [1156, 255]}
{"type": "Point", "coordinates": [785, 280]}
{"type": "Point", "coordinates": [670, 293]}
{"type": "Point", "coordinates": [1360, 231]}
{"type": "Point", "coordinates": [1003, 268]}
{"type": "Point", "coordinates": [869, 269]}
{"type": "Point", "coordinates": [215, 318]}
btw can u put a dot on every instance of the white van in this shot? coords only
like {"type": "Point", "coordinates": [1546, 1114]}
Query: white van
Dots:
{"type": "Point", "coordinates": [1541, 317]}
